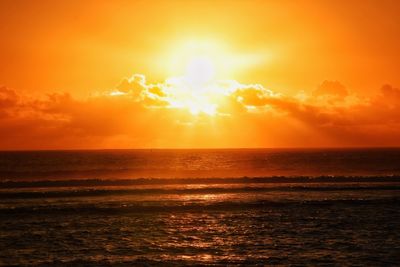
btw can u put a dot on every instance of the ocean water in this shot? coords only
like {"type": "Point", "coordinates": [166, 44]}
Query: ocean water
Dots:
{"type": "Point", "coordinates": [200, 207]}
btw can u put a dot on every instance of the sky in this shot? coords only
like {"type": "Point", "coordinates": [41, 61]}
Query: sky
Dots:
{"type": "Point", "coordinates": [199, 74]}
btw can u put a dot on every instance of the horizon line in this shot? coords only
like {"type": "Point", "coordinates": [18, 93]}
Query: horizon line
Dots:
{"type": "Point", "coordinates": [207, 148]}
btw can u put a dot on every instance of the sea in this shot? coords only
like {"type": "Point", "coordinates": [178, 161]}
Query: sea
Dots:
{"type": "Point", "coordinates": [200, 207]}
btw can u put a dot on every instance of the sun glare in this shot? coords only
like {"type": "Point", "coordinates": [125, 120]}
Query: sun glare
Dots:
{"type": "Point", "coordinates": [194, 67]}
{"type": "Point", "coordinates": [200, 70]}
{"type": "Point", "coordinates": [199, 76]}
{"type": "Point", "coordinates": [199, 61]}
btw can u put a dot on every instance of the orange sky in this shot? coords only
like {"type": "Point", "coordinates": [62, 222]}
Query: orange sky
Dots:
{"type": "Point", "coordinates": [212, 74]}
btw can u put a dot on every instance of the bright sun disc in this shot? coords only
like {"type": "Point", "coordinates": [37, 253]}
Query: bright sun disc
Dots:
{"type": "Point", "coordinates": [200, 61]}
{"type": "Point", "coordinates": [200, 70]}
{"type": "Point", "coordinates": [195, 68]}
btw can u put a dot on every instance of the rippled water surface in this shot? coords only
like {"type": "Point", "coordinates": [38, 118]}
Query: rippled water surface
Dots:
{"type": "Point", "coordinates": [97, 221]}
{"type": "Point", "coordinates": [258, 224]}
{"type": "Point", "coordinates": [197, 163]}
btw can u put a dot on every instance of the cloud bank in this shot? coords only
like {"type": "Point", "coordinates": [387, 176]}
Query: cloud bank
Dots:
{"type": "Point", "coordinates": [139, 114]}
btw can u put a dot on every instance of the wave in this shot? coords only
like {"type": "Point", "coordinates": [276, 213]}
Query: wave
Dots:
{"type": "Point", "coordinates": [86, 209]}
{"type": "Point", "coordinates": [182, 191]}
{"type": "Point", "coordinates": [8, 184]}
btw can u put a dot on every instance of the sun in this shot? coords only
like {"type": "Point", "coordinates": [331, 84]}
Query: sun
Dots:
{"type": "Point", "coordinates": [200, 60]}
{"type": "Point", "coordinates": [200, 77]}
{"type": "Point", "coordinates": [195, 68]}
{"type": "Point", "coordinates": [200, 70]}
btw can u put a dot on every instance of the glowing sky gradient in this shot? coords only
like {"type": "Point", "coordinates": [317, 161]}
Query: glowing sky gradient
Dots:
{"type": "Point", "coordinates": [185, 74]}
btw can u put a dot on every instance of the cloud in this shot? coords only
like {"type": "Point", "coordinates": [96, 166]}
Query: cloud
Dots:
{"type": "Point", "coordinates": [140, 114]}
{"type": "Point", "coordinates": [8, 99]}
{"type": "Point", "coordinates": [331, 88]}
{"type": "Point", "coordinates": [253, 95]}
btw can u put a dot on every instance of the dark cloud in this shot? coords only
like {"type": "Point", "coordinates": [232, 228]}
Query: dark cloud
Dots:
{"type": "Point", "coordinates": [391, 93]}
